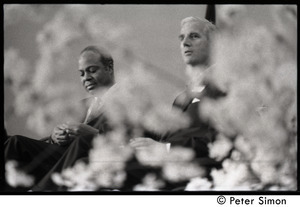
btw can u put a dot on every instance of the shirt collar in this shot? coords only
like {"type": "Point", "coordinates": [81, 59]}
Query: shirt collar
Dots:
{"type": "Point", "coordinates": [105, 92]}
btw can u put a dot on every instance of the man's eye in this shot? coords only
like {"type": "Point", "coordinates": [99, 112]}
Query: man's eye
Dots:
{"type": "Point", "coordinates": [81, 73]}
{"type": "Point", "coordinates": [194, 36]}
{"type": "Point", "coordinates": [180, 37]}
{"type": "Point", "coordinates": [93, 69]}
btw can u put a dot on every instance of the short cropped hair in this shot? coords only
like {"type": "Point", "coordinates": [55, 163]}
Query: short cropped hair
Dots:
{"type": "Point", "coordinates": [105, 58]}
{"type": "Point", "coordinates": [209, 28]}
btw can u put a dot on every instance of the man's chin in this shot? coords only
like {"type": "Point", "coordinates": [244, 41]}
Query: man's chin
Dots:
{"type": "Point", "coordinates": [91, 91]}
{"type": "Point", "coordinates": [91, 88]}
{"type": "Point", "coordinates": [98, 91]}
{"type": "Point", "coordinates": [187, 60]}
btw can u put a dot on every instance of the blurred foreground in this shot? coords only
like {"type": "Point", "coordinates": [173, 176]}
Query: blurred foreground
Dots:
{"type": "Point", "coordinates": [257, 120]}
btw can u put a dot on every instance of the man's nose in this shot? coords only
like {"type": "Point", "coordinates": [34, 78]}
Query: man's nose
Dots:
{"type": "Point", "coordinates": [186, 42]}
{"type": "Point", "coordinates": [86, 76]}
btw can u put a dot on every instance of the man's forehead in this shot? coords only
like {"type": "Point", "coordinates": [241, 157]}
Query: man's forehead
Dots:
{"type": "Point", "coordinates": [90, 55]}
{"type": "Point", "coordinates": [87, 59]}
{"type": "Point", "coordinates": [196, 26]}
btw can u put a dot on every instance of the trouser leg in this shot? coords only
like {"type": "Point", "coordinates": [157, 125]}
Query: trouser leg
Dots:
{"type": "Point", "coordinates": [34, 157]}
{"type": "Point", "coordinates": [79, 148]}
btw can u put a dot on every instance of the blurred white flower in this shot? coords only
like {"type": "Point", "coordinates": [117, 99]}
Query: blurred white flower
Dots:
{"type": "Point", "coordinates": [245, 146]}
{"type": "Point", "coordinates": [264, 166]}
{"type": "Point", "coordinates": [161, 113]}
{"type": "Point", "coordinates": [107, 161]}
{"type": "Point", "coordinates": [77, 178]}
{"type": "Point", "coordinates": [17, 70]}
{"type": "Point", "coordinates": [220, 148]}
{"type": "Point", "coordinates": [150, 183]}
{"type": "Point", "coordinates": [259, 77]}
{"type": "Point", "coordinates": [110, 179]}
{"type": "Point", "coordinates": [107, 151]}
{"type": "Point", "coordinates": [230, 16]}
{"type": "Point", "coordinates": [15, 177]}
{"type": "Point", "coordinates": [177, 171]}
{"type": "Point", "coordinates": [198, 184]}
{"type": "Point", "coordinates": [233, 176]}
{"type": "Point", "coordinates": [176, 165]}
{"type": "Point", "coordinates": [285, 28]}
{"type": "Point", "coordinates": [156, 156]}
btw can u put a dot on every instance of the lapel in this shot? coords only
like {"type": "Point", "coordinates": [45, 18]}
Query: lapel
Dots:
{"type": "Point", "coordinates": [92, 118]}
{"type": "Point", "coordinates": [189, 102]}
{"type": "Point", "coordinates": [186, 98]}
{"type": "Point", "coordinates": [182, 101]}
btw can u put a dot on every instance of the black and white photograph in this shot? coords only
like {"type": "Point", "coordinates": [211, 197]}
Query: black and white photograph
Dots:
{"type": "Point", "coordinates": [117, 98]}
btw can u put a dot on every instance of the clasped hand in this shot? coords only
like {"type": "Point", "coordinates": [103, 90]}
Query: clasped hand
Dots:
{"type": "Point", "coordinates": [63, 134]}
{"type": "Point", "coordinates": [143, 143]}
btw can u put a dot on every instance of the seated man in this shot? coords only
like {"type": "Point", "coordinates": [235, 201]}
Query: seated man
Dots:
{"type": "Point", "coordinates": [195, 37]}
{"type": "Point", "coordinates": [69, 141]}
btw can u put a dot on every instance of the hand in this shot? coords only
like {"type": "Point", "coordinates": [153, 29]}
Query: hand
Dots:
{"type": "Point", "coordinates": [76, 130]}
{"type": "Point", "coordinates": [143, 143]}
{"type": "Point", "coordinates": [60, 136]}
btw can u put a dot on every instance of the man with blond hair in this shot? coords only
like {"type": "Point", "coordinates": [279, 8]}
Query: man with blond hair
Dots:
{"type": "Point", "coordinates": [195, 38]}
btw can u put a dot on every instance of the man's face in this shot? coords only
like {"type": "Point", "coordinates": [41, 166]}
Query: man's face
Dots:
{"type": "Point", "coordinates": [93, 74]}
{"type": "Point", "coordinates": [194, 43]}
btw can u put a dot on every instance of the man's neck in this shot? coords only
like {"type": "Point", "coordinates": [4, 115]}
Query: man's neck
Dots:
{"type": "Point", "coordinates": [199, 67]}
{"type": "Point", "coordinates": [101, 91]}
{"type": "Point", "coordinates": [195, 75]}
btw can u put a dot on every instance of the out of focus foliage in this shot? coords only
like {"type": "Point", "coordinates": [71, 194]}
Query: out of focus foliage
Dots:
{"type": "Point", "coordinates": [256, 121]}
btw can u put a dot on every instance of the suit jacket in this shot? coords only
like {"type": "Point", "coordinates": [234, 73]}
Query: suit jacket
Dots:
{"type": "Point", "coordinates": [199, 133]}
{"type": "Point", "coordinates": [98, 120]}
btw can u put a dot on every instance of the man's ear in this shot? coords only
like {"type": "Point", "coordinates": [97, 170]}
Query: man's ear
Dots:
{"type": "Point", "coordinates": [110, 67]}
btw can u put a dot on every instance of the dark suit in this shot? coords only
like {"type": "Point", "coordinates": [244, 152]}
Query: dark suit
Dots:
{"type": "Point", "coordinates": [42, 158]}
{"type": "Point", "coordinates": [199, 133]}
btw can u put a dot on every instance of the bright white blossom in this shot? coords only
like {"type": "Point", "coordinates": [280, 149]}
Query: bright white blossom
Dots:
{"type": "Point", "coordinates": [198, 184]}
{"type": "Point", "coordinates": [233, 176]}
{"type": "Point", "coordinates": [181, 171]}
{"type": "Point", "coordinates": [149, 183]}
{"type": "Point", "coordinates": [15, 177]}
{"type": "Point", "coordinates": [220, 148]}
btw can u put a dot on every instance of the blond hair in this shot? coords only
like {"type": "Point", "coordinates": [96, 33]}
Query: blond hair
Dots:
{"type": "Point", "coordinates": [209, 28]}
